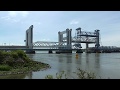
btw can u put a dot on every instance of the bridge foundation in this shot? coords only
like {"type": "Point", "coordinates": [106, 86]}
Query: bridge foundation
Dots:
{"type": "Point", "coordinates": [79, 51]}
{"type": "Point", "coordinates": [63, 51]}
{"type": "Point", "coordinates": [50, 51]}
{"type": "Point", "coordinates": [97, 45]}
{"type": "Point", "coordinates": [30, 51]}
{"type": "Point", "coordinates": [87, 51]}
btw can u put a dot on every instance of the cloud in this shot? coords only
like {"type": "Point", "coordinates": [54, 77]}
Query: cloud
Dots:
{"type": "Point", "coordinates": [7, 18]}
{"type": "Point", "coordinates": [31, 22]}
{"type": "Point", "coordinates": [15, 13]}
{"type": "Point", "coordinates": [74, 22]}
{"type": "Point", "coordinates": [15, 16]}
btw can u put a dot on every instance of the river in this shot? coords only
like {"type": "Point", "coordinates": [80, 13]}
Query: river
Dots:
{"type": "Point", "coordinates": [105, 65]}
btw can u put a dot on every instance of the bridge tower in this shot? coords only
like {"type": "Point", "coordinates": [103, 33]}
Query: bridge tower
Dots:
{"type": "Point", "coordinates": [88, 38]}
{"type": "Point", "coordinates": [97, 45]}
{"type": "Point", "coordinates": [78, 36]}
{"type": "Point", "coordinates": [29, 39]}
{"type": "Point", "coordinates": [67, 40]}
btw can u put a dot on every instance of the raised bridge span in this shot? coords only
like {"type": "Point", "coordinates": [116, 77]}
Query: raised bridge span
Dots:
{"type": "Point", "coordinates": [64, 44]}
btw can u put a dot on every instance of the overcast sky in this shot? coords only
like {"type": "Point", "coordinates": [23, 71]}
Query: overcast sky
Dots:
{"type": "Point", "coordinates": [47, 24]}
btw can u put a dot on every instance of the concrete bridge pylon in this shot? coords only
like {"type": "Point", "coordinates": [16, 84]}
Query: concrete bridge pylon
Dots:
{"type": "Point", "coordinates": [29, 39]}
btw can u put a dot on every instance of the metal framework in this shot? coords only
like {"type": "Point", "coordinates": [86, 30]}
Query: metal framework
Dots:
{"type": "Point", "coordinates": [47, 44]}
{"type": "Point", "coordinates": [83, 39]}
{"type": "Point", "coordinates": [86, 37]}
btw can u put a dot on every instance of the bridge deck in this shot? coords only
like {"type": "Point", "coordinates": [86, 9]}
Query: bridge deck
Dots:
{"type": "Point", "coordinates": [54, 49]}
{"type": "Point", "coordinates": [37, 49]}
{"type": "Point", "coordinates": [18, 47]}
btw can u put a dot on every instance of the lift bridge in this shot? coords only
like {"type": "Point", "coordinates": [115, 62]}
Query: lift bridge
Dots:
{"type": "Point", "coordinates": [71, 43]}
{"type": "Point", "coordinates": [64, 44]}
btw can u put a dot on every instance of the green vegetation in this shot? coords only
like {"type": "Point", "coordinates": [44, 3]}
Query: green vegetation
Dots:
{"type": "Point", "coordinates": [16, 76]}
{"type": "Point", "coordinates": [60, 75]}
{"type": "Point", "coordinates": [4, 68]}
{"type": "Point", "coordinates": [85, 75]}
{"type": "Point", "coordinates": [81, 74]}
{"type": "Point", "coordinates": [15, 62]}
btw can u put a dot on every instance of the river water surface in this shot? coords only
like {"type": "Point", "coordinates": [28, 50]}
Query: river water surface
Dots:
{"type": "Point", "coordinates": [105, 65]}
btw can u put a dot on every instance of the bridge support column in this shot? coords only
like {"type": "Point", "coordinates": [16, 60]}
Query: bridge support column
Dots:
{"type": "Point", "coordinates": [64, 51]}
{"type": "Point", "coordinates": [69, 38]}
{"type": "Point", "coordinates": [30, 51]}
{"type": "Point", "coordinates": [87, 48]}
{"type": "Point", "coordinates": [79, 51]}
{"type": "Point", "coordinates": [60, 37]}
{"type": "Point", "coordinates": [29, 40]}
{"type": "Point", "coordinates": [97, 45]}
{"type": "Point", "coordinates": [50, 51]}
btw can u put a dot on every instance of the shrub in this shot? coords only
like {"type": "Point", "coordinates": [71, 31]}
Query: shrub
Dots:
{"type": "Point", "coordinates": [1, 56]}
{"type": "Point", "coordinates": [4, 68]}
{"type": "Point", "coordinates": [14, 55]}
{"type": "Point", "coordinates": [26, 59]}
{"type": "Point", "coordinates": [48, 77]}
{"type": "Point", "coordinates": [85, 75]}
{"type": "Point", "coordinates": [9, 61]}
{"type": "Point", "coordinates": [81, 75]}
{"type": "Point", "coordinates": [20, 53]}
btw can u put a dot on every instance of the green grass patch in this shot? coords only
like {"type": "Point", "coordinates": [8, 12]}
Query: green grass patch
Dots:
{"type": "Point", "coordinates": [5, 68]}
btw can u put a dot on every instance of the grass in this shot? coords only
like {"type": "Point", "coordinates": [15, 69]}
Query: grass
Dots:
{"type": "Point", "coordinates": [81, 74]}
{"type": "Point", "coordinates": [5, 68]}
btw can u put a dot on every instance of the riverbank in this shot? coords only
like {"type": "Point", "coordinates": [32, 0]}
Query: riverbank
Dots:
{"type": "Point", "coordinates": [17, 62]}
{"type": "Point", "coordinates": [38, 66]}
